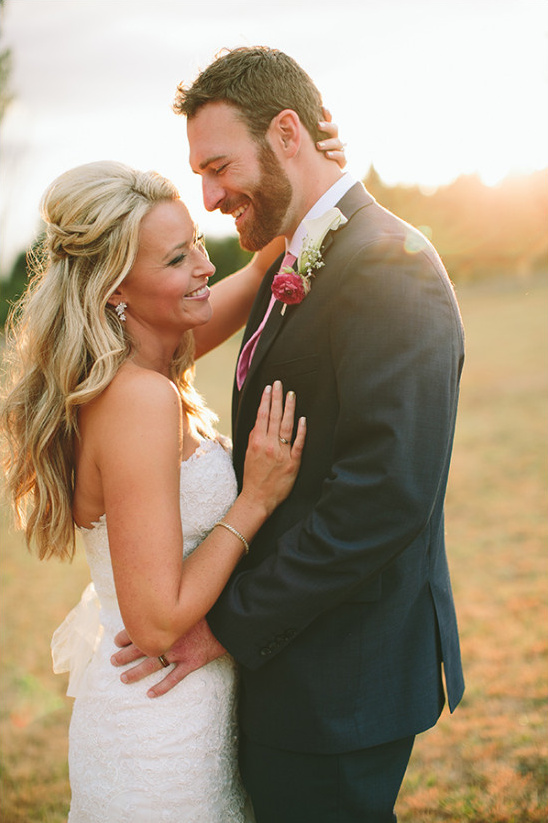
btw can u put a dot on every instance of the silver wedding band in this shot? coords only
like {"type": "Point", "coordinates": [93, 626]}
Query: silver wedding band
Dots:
{"type": "Point", "coordinates": [163, 660]}
{"type": "Point", "coordinates": [283, 440]}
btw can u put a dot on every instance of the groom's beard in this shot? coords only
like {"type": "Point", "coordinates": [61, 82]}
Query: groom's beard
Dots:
{"type": "Point", "coordinates": [270, 201]}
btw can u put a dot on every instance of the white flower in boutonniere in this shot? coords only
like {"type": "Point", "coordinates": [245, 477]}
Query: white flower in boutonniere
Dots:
{"type": "Point", "coordinates": [292, 286]}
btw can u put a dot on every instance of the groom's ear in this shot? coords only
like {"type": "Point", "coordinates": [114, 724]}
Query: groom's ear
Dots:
{"type": "Point", "coordinates": [285, 133]}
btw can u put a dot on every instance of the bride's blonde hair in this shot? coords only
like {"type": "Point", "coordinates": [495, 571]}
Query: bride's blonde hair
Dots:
{"type": "Point", "coordinates": [65, 343]}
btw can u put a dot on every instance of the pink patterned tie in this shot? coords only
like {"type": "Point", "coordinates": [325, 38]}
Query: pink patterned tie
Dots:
{"type": "Point", "coordinates": [246, 355]}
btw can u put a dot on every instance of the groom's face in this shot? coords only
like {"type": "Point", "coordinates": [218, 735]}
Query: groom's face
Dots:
{"type": "Point", "coordinates": [240, 176]}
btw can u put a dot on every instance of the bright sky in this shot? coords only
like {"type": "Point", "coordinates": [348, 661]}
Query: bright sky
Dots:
{"type": "Point", "coordinates": [424, 89]}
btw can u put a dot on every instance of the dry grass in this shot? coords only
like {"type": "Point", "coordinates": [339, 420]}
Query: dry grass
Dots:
{"type": "Point", "coordinates": [488, 762]}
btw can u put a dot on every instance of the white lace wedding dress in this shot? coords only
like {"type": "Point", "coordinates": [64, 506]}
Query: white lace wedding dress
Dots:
{"type": "Point", "coordinates": [134, 759]}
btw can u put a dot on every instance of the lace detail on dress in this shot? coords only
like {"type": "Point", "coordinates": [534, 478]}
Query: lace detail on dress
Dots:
{"type": "Point", "coordinates": [172, 759]}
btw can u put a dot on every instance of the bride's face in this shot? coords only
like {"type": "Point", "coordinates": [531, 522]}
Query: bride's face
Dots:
{"type": "Point", "coordinates": [166, 290]}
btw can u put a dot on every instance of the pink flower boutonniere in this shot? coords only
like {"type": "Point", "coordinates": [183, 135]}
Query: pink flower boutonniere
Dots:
{"type": "Point", "coordinates": [292, 286]}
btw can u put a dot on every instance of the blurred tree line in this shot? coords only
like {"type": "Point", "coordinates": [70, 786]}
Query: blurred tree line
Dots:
{"type": "Point", "coordinates": [479, 231]}
{"type": "Point", "coordinates": [5, 69]}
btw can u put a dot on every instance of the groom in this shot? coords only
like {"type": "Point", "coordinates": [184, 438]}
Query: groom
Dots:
{"type": "Point", "coordinates": [342, 614]}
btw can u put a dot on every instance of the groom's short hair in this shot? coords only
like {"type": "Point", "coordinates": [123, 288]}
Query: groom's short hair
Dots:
{"type": "Point", "coordinates": [260, 82]}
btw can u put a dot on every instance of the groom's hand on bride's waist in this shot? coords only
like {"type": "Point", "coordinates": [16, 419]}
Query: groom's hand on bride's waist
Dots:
{"type": "Point", "coordinates": [192, 651]}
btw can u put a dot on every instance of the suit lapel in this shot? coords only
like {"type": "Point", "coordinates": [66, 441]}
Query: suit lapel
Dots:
{"type": "Point", "coordinates": [356, 198]}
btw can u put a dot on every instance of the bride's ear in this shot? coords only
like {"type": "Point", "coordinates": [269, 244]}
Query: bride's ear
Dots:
{"type": "Point", "coordinates": [115, 298]}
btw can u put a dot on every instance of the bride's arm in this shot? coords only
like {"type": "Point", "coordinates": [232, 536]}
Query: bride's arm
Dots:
{"type": "Point", "coordinates": [161, 595]}
{"type": "Point", "coordinates": [232, 298]}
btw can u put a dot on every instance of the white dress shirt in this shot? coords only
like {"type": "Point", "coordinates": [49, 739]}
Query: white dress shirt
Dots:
{"type": "Point", "coordinates": [327, 201]}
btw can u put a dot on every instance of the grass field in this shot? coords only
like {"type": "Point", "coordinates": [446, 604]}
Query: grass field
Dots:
{"type": "Point", "coordinates": [488, 762]}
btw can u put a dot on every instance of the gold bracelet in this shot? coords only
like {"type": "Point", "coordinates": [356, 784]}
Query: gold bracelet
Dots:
{"type": "Point", "coordinates": [235, 532]}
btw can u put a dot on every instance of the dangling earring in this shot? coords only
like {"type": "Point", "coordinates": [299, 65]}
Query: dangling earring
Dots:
{"type": "Point", "coordinates": [119, 309]}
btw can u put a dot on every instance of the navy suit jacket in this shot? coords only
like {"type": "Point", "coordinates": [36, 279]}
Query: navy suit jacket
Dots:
{"type": "Point", "coordinates": [342, 613]}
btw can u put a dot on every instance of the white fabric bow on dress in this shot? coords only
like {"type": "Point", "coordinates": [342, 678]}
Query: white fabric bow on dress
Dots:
{"type": "Point", "coordinates": [75, 640]}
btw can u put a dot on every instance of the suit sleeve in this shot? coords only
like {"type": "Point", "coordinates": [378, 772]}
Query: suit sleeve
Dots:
{"type": "Point", "coordinates": [396, 354]}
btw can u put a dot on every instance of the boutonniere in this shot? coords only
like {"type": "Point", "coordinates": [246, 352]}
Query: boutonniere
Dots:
{"type": "Point", "coordinates": [292, 286]}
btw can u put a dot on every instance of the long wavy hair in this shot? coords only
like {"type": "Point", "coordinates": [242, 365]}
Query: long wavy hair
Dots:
{"type": "Point", "coordinates": [65, 343]}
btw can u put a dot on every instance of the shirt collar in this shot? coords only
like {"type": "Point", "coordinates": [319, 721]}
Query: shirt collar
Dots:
{"type": "Point", "coordinates": [327, 201]}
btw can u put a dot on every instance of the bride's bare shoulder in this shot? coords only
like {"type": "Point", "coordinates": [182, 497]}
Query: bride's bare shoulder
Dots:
{"type": "Point", "coordinates": [136, 380]}
{"type": "Point", "coordinates": [134, 391]}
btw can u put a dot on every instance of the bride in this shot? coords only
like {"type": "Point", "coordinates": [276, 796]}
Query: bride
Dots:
{"type": "Point", "coordinates": [106, 433]}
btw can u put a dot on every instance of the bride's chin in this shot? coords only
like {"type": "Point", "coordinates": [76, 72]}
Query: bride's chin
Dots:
{"type": "Point", "coordinates": [201, 319]}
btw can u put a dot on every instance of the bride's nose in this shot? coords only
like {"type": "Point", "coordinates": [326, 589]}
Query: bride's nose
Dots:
{"type": "Point", "coordinates": [204, 266]}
